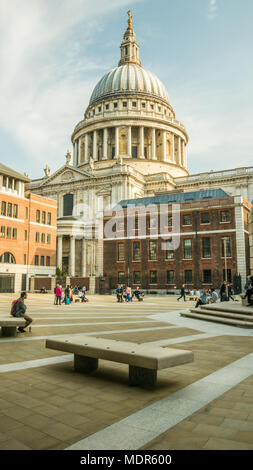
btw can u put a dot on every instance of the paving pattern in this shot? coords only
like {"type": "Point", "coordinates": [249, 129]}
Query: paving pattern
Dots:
{"type": "Point", "coordinates": [45, 404]}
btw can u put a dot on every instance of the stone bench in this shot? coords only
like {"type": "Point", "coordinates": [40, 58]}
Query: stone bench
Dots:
{"type": "Point", "coordinates": [9, 325]}
{"type": "Point", "coordinates": [143, 360]}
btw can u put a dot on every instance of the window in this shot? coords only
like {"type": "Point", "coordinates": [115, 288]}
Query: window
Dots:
{"type": "Point", "coordinates": [134, 152]}
{"type": "Point", "coordinates": [43, 218]}
{"type": "Point", "coordinates": [169, 220]}
{"type": "Point", "coordinates": [43, 238]}
{"type": "Point", "coordinates": [121, 277]}
{"type": "Point", "coordinates": [207, 276]}
{"type": "Point", "coordinates": [169, 254]}
{"type": "Point", "coordinates": [136, 251]}
{"type": "Point", "coordinates": [3, 208]}
{"type": "Point", "coordinates": [126, 50]}
{"type": "Point", "coordinates": [137, 277]}
{"type": "Point", "coordinates": [121, 252]}
{"type": "Point", "coordinates": [170, 277]}
{"type": "Point", "coordinates": [14, 233]}
{"type": "Point", "coordinates": [2, 233]}
{"type": "Point", "coordinates": [115, 105]}
{"type": "Point", "coordinates": [188, 248]}
{"type": "Point", "coordinates": [36, 260]}
{"type": "Point", "coordinates": [124, 104]}
{"type": "Point", "coordinates": [48, 261]}
{"type": "Point", "coordinates": [42, 260]}
{"type": "Point", "coordinates": [16, 185]}
{"type": "Point", "coordinates": [187, 219]}
{"type": "Point", "coordinates": [38, 216]}
{"type": "Point", "coordinates": [143, 105]}
{"type": "Point", "coordinates": [8, 233]}
{"type": "Point", "coordinates": [15, 211]}
{"type": "Point", "coordinates": [24, 258]}
{"type": "Point", "coordinates": [205, 218]}
{"type": "Point", "coordinates": [152, 106]}
{"type": "Point", "coordinates": [206, 247]}
{"type": "Point", "coordinates": [227, 276]}
{"type": "Point", "coordinates": [224, 216]}
{"type": "Point", "coordinates": [49, 238]}
{"type": "Point", "coordinates": [152, 250]}
{"type": "Point", "coordinates": [7, 258]}
{"type": "Point", "coordinates": [9, 210]}
{"type": "Point", "coordinates": [25, 235]}
{"type": "Point", "coordinates": [107, 106]}
{"type": "Point", "coordinates": [37, 237]}
{"type": "Point", "coordinates": [99, 109]}
{"type": "Point", "coordinates": [5, 181]}
{"type": "Point", "coordinates": [49, 218]}
{"type": "Point", "coordinates": [26, 212]}
{"type": "Point", "coordinates": [134, 104]}
{"type": "Point", "coordinates": [153, 277]}
{"type": "Point", "coordinates": [188, 276]}
{"type": "Point", "coordinates": [226, 250]}
{"type": "Point", "coordinates": [10, 183]}
{"type": "Point", "coordinates": [68, 203]}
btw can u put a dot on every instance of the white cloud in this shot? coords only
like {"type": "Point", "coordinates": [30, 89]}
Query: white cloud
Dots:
{"type": "Point", "coordinates": [212, 9]}
{"type": "Point", "coordinates": [47, 74]}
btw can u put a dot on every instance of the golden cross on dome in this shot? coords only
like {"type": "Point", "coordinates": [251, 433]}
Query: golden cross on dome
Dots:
{"type": "Point", "coordinates": [129, 19]}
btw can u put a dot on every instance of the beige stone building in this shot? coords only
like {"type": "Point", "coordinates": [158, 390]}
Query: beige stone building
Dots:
{"type": "Point", "coordinates": [128, 145]}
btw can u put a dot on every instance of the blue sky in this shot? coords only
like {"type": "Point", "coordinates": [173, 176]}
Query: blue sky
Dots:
{"type": "Point", "coordinates": [52, 54]}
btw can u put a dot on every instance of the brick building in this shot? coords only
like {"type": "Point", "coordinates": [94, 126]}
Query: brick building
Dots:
{"type": "Point", "coordinates": [212, 234]}
{"type": "Point", "coordinates": [27, 233]}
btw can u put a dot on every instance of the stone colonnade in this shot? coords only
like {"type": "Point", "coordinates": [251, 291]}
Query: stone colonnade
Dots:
{"type": "Point", "coordinates": [72, 256]}
{"type": "Point", "coordinates": [87, 145]}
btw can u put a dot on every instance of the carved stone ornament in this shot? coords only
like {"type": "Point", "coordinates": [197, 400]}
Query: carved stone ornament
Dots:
{"type": "Point", "coordinates": [67, 175]}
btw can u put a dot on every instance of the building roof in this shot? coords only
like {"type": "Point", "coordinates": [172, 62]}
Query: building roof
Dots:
{"type": "Point", "coordinates": [6, 170]}
{"type": "Point", "coordinates": [176, 198]}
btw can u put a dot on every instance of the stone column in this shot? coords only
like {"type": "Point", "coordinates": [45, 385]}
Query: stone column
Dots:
{"type": "Point", "coordinates": [179, 151]}
{"type": "Point", "coordinates": [83, 257]}
{"type": "Point", "coordinates": [164, 146]}
{"type": "Point", "coordinates": [59, 252]}
{"type": "Point", "coordinates": [94, 146]}
{"type": "Point", "coordinates": [79, 150]}
{"type": "Point", "coordinates": [105, 144]}
{"type": "Point", "coordinates": [129, 141]}
{"type": "Point", "coordinates": [173, 148]}
{"type": "Point", "coordinates": [141, 142]}
{"type": "Point", "coordinates": [72, 256]}
{"type": "Point", "coordinates": [86, 147]}
{"type": "Point", "coordinates": [153, 144]}
{"type": "Point", "coordinates": [116, 142]}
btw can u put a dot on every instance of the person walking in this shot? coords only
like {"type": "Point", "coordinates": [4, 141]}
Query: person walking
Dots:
{"type": "Point", "coordinates": [129, 294]}
{"type": "Point", "coordinates": [182, 293]}
{"type": "Point", "coordinates": [19, 310]}
{"type": "Point", "coordinates": [58, 294]}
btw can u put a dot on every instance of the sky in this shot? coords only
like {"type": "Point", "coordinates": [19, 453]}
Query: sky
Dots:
{"type": "Point", "coordinates": [53, 53]}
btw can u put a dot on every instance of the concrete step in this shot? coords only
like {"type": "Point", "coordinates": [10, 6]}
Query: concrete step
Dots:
{"type": "Point", "coordinates": [221, 313]}
{"type": "Point", "coordinates": [216, 319]}
{"type": "Point", "coordinates": [226, 308]}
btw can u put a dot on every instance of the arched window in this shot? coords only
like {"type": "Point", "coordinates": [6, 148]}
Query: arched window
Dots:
{"type": "Point", "coordinates": [68, 203]}
{"type": "Point", "coordinates": [7, 258]}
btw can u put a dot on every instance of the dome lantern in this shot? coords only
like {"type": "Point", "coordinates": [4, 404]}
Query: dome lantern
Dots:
{"type": "Point", "coordinates": [129, 47]}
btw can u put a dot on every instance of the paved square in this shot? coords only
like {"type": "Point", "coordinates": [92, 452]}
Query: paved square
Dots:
{"type": "Point", "coordinates": [45, 404]}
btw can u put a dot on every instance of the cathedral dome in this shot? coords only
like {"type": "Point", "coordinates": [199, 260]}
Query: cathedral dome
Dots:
{"type": "Point", "coordinates": [129, 78]}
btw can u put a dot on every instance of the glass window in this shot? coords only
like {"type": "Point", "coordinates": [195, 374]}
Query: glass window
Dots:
{"type": "Point", "coordinates": [205, 218]}
{"type": "Point", "coordinates": [134, 152]}
{"type": "Point", "coordinates": [134, 104]}
{"type": "Point", "coordinates": [107, 106]}
{"type": "Point", "coordinates": [7, 258]}
{"type": "Point", "coordinates": [207, 276]}
{"type": "Point", "coordinates": [68, 204]}
{"type": "Point", "coordinates": [206, 247]}
{"type": "Point", "coordinates": [49, 218]}
{"type": "Point", "coordinates": [143, 105]}
{"type": "Point", "coordinates": [48, 261]}
{"type": "Point", "coordinates": [8, 233]}
{"type": "Point", "coordinates": [115, 105]}
{"type": "Point", "coordinates": [36, 260]}
{"type": "Point", "coordinates": [5, 181]}
{"type": "Point", "coordinates": [121, 252]}
{"type": "Point", "coordinates": [16, 185]}
{"type": "Point", "coordinates": [10, 183]}
{"type": "Point", "coordinates": [188, 276]}
{"type": "Point", "coordinates": [169, 220]}
{"type": "Point", "coordinates": [42, 260]}
{"type": "Point", "coordinates": [188, 248]}
{"type": "Point", "coordinates": [37, 237]}
{"type": "Point", "coordinates": [124, 104]}
{"type": "Point", "coordinates": [2, 233]}
{"type": "Point", "coordinates": [170, 277]}
{"type": "Point", "coordinates": [25, 234]}
{"type": "Point", "coordinates": [15, 211]}
{"type": "Point", "coordinates": [226, 249]}
{"type": "Point", "coordinates": [224, 216]}
{"type": "Point", "coordinates": [38, 216]}
{"type": "Point", "coordinates": [9, 210]}
{"type": "Point", "coordinates": [153, 277]}
{"type": "Point", "coordinates": [169, 254]}
{"type": "Point", "coordinates": [3, 208]}
{"type": "Point", "coordinates": [152, 250]}
{"type": "Point", "coordinates": [24, 258]}
{"type": "Point", "coordinates": [14, 233]}
{"type": "Point", "coordinates": [43, 238]}
{"type": "Point", "coordinates": [121, 277]}
{"type": "Point", "coordinates": [43, 218]}
{"type": "Point", "coordinates": [26, 212]}
{"type": "Point", "coordinates": [187, 219]}
{"type": "Point", "coordinates": [137, 277]}
{"type": "Point", "coordinates": [136, 251]}
{"type": "Point", "coordinates": [48, 238]}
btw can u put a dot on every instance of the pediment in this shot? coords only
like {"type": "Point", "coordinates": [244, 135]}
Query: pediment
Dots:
{"type": "Point", "coordinates": [66, 174]}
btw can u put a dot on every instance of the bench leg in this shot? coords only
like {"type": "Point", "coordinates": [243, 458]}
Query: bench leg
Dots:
{"type": "Point", "coordinates": [142, 376]}
{"type": "Point", "coordinates": [9, 331]}
{"type": "Point", "coordinates": [85, 364]}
